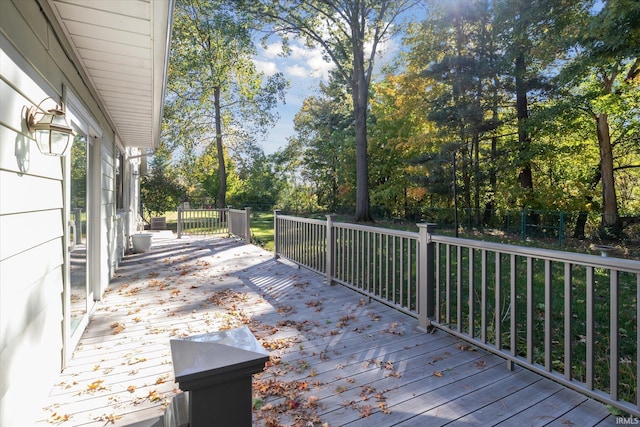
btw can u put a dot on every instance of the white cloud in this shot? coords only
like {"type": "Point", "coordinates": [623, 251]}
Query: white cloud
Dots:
{"type": "Point", "coordinates": [312, 59]}
{"type": "Point", "coordinates": [297, 70]}
{"type": "Point", "coordinates": [267, 67]}
{"type": "Point", "coordinates": [273, 50]}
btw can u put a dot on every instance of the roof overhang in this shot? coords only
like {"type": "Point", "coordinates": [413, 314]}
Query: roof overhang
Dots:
{"type": "Point", "coordinates": [123, 49]}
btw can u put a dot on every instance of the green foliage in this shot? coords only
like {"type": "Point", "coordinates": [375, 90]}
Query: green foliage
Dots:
{"type": "Point", "coordinates": [160, 190]}
{"type": "Point", "coordinates": [255, 184]}
{"type": "Point", "coordinates": [349, 34]}
{"type": "Point", "coordinates": [216, 98]}
{"type": "Point", "coordinates": [525, 94]}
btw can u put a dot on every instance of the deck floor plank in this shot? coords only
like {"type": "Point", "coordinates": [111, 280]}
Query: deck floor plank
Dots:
{"type": "Point", "coordinates": [345, 360]}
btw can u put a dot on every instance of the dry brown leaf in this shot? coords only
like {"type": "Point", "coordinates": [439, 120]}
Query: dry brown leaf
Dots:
{"type": "Point", "coordinates": [56, 418]}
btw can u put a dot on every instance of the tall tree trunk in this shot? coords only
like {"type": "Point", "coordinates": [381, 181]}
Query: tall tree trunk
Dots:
{"type": "Point", "coordinates": [222, 171]}
{"type": "Point", "coordinates": [522, 109]}
{"type": "Point", "coordinates": [609, 200]}
{"type": "Point", "coordinates": [360, 101]}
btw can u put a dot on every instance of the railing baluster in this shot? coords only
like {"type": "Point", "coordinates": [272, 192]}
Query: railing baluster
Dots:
{"type": "Point", "coordinates": [472, 280]}
{"type": "Point", "coordinates": [614, 360]}
{"type": "Point", "coordinates": [513, 333]}
{"type": "Point", "coordinates": [447, 291]}
{"type": "Point", "coordinates": [393, 269]}
{"type": "Point", "coordinates": [401, 266]}
{"type": "Point", "coordinates": [590, 326]}
{"type": "Point", "coordinates": [459, 288]}
{"type": "Point", "coordinates": [438, 283]}
{"type": "Point", "coordinates": [530, 319]}
{"type": "Point", "coordinates": [483, 297]}
{"type": "Point", "coordinates": [498, 302]}
{"type": "Point", "coordinates": [568, 320]}
{"type": "Point", "coordinates": [547, 315]}
{"type": "Point", "coordinates": [386, 273]}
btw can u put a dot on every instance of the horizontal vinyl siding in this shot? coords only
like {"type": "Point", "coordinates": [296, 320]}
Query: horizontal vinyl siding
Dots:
{"type": "Point", "coordinates": [44, 193]}
{"type": "Point", "coordinates": [34, 66]}
{"type": "Point", "coordinates": [27, 288]}
{"type": "Point", "coordinates": [21, 232]}
{"type": "Point", "coordinates": [31, 218]}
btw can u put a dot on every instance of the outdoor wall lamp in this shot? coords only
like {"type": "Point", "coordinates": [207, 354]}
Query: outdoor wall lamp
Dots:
{"type": "Point", "coordinates": [50, 129]}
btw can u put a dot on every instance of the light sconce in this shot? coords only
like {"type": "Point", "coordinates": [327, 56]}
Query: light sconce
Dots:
{"type": "Point", "coordinates": [51, 130]}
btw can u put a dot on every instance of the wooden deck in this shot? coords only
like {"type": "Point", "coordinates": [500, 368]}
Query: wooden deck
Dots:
{"type": "Point", "coordinates": [337, 359]}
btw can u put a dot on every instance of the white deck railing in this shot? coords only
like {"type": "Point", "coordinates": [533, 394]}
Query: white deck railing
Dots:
{"type": "Point", "coordinates": [568, 316]}
{"type": "Point", "coordinates": [235, 222]}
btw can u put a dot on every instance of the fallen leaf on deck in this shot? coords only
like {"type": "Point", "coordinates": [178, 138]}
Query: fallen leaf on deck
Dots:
{"type": "Point", "coordinates": [96, 385]}
{"type": "Point", "coordinates": [365, 411]}
{"type": "Point", "coordinates": [117, 327]}
{"type": "Point", "coordinates": [56, 418]}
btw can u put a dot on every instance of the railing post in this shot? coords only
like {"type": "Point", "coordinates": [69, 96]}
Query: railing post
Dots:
{"type": "Point", "coordinates": [426, 279]}
{"type": "Point", "coordinates": [247, 224]}
{"type": "Point", "coordinates": [330, 249]}
{"type": "Point", "coordinates": [276, 241]}
{"type": "Point", "coordinates": [179, 230]}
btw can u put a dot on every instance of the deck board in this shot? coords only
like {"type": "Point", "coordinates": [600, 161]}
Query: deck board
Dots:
{"type": "Point", "coordinates": [337, 358]}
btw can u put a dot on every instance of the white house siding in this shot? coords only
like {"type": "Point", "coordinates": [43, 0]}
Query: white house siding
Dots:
{"type": "Point", "coordinates": [108, 213]}
{"type": "Point", "coordinates": [34, 66]}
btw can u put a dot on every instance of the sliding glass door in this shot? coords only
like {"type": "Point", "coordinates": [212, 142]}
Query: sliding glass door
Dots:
{"type": "Point", "coordinates": [79, 295]}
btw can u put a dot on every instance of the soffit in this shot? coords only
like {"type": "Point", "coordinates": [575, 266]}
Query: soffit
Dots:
{"type": "Point", "coordinates": [123, 48]}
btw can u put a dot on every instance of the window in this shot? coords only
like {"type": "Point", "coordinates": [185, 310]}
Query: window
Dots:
{"type": "Point", "coordinates": [119, 180]}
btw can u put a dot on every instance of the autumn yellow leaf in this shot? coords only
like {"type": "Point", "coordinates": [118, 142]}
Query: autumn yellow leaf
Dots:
{"type": "Point", "coordinates": [154, 396]}
{"type": "Point", "coordinates": [56, 418]}
{"type": "Point", "coordinates": [437, 373]}
{"type": "Point", "coordinates": [131, 388]}
{"type": "Point", "coordinates": [95, 386]}
{"type": "Point", "coordinates": [112, 418]}
{"type": "Point", "coordinates": [137, 360]}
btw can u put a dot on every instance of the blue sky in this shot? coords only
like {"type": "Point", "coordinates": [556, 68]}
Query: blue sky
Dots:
{"type": "Point", "coordinates": [305, 69]}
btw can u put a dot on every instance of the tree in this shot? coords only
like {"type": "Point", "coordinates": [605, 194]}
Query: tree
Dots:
{"type": "Point", "coordinates": [530, 31]}
{"type": "Point", "coordinates": [160, 191]}
{"type": "Point", "coordinates": [603, 74]}
{"type": "Point", "coordinates": [349, 32]}
{"type": "Point", "coordinates": [214, 84]}
{"type": "Point", "coordinates": [325, 135]}
{"type": "Point", "coordinates": [456, 52]}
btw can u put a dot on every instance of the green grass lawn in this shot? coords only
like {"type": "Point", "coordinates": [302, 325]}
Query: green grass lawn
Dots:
{"type": "Point", "coordinates": [262, 229]}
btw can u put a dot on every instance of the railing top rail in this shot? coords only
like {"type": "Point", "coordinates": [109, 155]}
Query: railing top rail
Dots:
{"type": "Point", "coordinates": [300, 219]}
{"type": "Point", "coordinates": [350, 226]}
{"type": "Point", "coordinates": [201, 209]}
{"type": "Point", "coordinates": [620, 264]}
{"type": "Point", "coordinates": [379, 230]}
